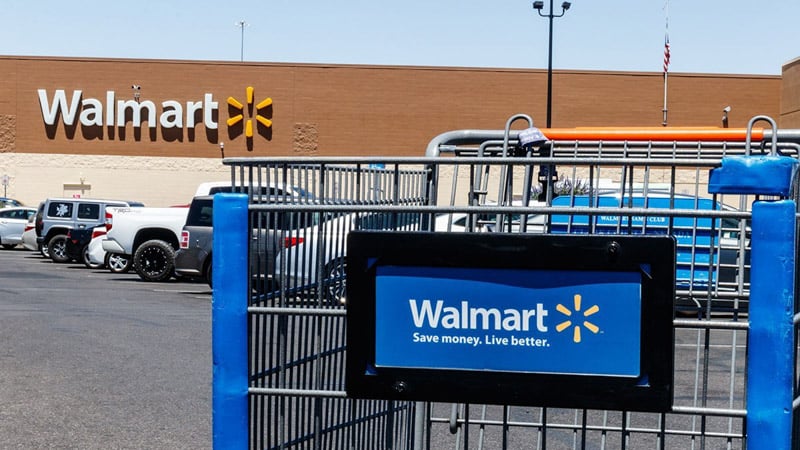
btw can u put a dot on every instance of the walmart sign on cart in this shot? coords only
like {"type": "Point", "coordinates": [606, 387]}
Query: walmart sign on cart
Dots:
{"type": "Point", "coordinates": [494, 319]}
{"type": "Point", "coordinates": [509, 320]}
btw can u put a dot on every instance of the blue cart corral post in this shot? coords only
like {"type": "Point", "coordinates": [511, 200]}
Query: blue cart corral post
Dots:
{"type": "Point", "coordinates": [229, 325]}
{"type": "Point", "coordinates": [302, 359]}
{"type": "Point", "coordinates": [771, 337]}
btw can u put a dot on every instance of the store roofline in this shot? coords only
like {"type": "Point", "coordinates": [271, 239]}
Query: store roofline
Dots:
{"type": "Point", "coordinates": [385, 67]}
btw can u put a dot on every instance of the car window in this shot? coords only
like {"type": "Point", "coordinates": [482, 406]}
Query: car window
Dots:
{"type": "Point", "coordinates": [6, 214]}
{"type": "Point", "coordinates": [60, 209]}
{"type": "Point", "coordinates": [88, 211]}
{"type": "Point", "coordinates": [200, 213]}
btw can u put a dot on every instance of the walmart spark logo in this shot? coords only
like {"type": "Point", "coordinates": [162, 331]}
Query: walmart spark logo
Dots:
{"type": "Point", "coordinates": [576, 334]}
{"type": "Point", "coordinates": [251, 111]}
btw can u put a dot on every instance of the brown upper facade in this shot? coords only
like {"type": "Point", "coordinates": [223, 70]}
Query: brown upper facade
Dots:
{"type": "Point", "coordinates": [790, 95]}
{"type": "Point", "coordinates": [190, 109]}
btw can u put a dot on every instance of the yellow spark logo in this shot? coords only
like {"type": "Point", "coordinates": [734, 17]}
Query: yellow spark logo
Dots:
{"type": "Point", "coordinates": [248, 125]}
{"type": "Point", "coordinates": [576, 334]}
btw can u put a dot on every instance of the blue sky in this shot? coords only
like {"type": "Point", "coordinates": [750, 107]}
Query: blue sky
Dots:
{"type": "Point", "coordinates": [706, 36]}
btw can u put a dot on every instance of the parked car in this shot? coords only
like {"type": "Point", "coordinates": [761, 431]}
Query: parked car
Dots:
{"type": "Point", "coordinates": [273, 190]}
{"type": "Point", "coordinates": [12, 225]}
{"type": "Point", "coordinates": [37, 228]}
{"type": "Point", "coordinates": [6, 202]}
{"type": "Point", "coordinates": [193, 258]}
{"type": "Point", "coordinates": [150, 236]}
{"type": "Point", "coordinates": [146, 236]}
{"type": "Point", "coordinates": [323, 244]}
{"type": "Point", "coordinates": [98, 257]}
{"type": "Point", "coordinates": [712, 253]}
{"type": "Point", "coordinates": [77, 246]}
{"type": "Point", "coordinates": [62, 214]}
{"type": "Point", "coordinates": [29, 235]}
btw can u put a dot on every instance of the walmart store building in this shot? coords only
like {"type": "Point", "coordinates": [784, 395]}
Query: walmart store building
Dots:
{"type": "Point", "coordinates": [151, 130]}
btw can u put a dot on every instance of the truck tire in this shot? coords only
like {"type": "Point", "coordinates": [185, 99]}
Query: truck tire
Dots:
{"type": "Point", "coordinates": [57, 248]}
{"type": "Point", "coordinates": [207, 273]}
{"type": "Point", "coordinates": [154, 260]}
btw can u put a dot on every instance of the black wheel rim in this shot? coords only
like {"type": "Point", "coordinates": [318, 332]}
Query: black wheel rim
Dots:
{"type": "Point", "coordinates": [153, 261]}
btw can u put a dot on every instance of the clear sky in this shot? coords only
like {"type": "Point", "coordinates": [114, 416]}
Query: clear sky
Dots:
{"type": "Point", "coordinates": [707, 36]}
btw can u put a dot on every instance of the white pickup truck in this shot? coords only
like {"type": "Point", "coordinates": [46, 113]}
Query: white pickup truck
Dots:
{"type": "Point", "coordinates": [147, 235]}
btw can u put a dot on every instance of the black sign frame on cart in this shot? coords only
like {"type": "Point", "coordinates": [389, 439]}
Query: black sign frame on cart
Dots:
{"type": "Point", "coordinates": [574, 321]}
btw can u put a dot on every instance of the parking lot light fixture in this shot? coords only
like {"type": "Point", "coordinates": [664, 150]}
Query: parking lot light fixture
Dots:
{"type": "Point", "coordinates": [242, 24]}
{"type": "Point", "coordinates": [539, 6]}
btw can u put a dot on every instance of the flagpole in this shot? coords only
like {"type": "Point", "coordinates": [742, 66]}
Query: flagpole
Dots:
{"type": "Point", "coordinates": [664, 123]}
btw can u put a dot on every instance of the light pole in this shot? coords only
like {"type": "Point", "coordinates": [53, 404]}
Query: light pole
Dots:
{"type": "Point", "coordinates": [538, 7]}
{"type": "Point", "coordinates": [241, 24]}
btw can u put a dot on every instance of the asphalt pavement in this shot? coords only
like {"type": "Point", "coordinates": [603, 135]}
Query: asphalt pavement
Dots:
{"type": "Point", "coordinates": [95, 360]}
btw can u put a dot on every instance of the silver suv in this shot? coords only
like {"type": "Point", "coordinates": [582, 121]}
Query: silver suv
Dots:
{"type": "Point", "coordinates": [59, 215]}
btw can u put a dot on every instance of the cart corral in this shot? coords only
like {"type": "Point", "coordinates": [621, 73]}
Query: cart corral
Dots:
{"type": "Point", "coordinates": [726, 198]}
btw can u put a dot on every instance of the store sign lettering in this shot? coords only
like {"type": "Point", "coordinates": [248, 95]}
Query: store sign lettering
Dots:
{"type": "Point", "coordinates": [112, 112]}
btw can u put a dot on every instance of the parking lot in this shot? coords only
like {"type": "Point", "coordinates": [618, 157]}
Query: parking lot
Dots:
{"type": "Point", "coordinates": [96, 360]}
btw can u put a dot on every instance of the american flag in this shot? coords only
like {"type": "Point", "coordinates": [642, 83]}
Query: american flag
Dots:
{"type": "Point", "coordinates": [666, 53]}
